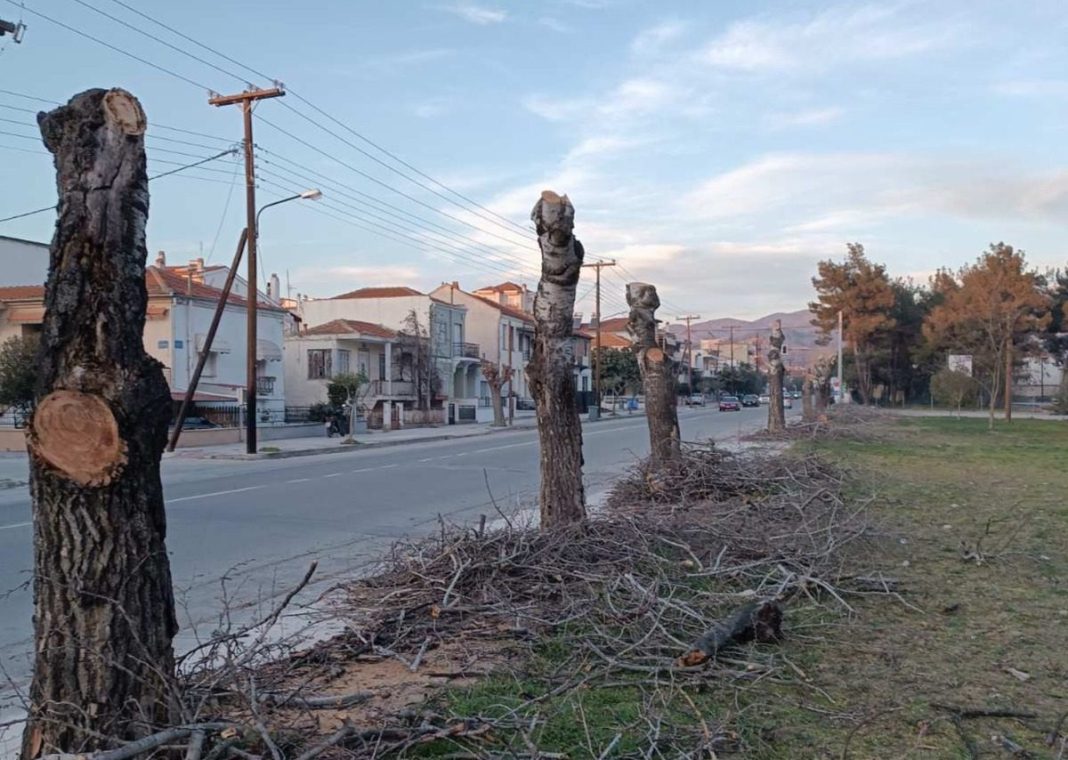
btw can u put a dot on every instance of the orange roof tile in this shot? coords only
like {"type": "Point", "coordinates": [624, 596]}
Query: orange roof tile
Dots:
{"type": "Point", "coordinates": [351, 327]}
{"type": "Point", "coordinates": [508, 310]}
{"type": "Point", "coordinates": [384, 292]}
{"type": "Point", "coordinates": [165, 281]}
{"type": "Point", "coordinates": [504, 287]}
{"type": "Point", "coordinates": [611, 340]}
{"type": "Point", "coordinates": [22, 293]}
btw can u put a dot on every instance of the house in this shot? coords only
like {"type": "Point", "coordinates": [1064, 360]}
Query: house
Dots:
{"type": "Point", "coordinates": [509, 294]}
{"type": "Point", "coordinates": [410, 313]}
{"type": "Point", "coordinates": [319, 353]}
{"type": "Point", "coordinates": [504, 335]}
{"type": "Point", "coordinates": [180, 309]}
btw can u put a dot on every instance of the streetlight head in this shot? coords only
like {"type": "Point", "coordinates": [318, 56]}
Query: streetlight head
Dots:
{"type": "Point", "coordinates": [312, 195]}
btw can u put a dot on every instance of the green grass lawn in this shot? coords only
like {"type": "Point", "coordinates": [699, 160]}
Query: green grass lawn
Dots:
{"type": "Point", "coordinates": [986, 632]}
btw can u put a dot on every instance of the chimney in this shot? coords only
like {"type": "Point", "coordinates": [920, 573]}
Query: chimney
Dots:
{"type": "Point", "coordinates": [189, 282]}
{"type": "Point", "coordinates": [200, 264]}
{"type": "Point", "coordinates": [161, 259]}
{"type": "Point", "coordinates": [274, 288]}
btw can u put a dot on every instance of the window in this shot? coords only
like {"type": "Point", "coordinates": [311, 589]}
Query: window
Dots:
{"type": "Point", "coordinates": [382, 366]}
{"type": "Point", "coordinates": [209, 365]}
{"type": "Point", "coordinates": [511, 339]}
{"type": "Point", "coordinates": [585, 383]}
{"type": "Point", "coordinates": [342, 360]}
{"type": "Point", "coordinates": [319, 364]}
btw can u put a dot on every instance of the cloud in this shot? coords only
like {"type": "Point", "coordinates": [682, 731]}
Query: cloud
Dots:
{"type": "Point", "coordinates": [651, 40]}
{"type": "Point", "coordinates": [477, 14]}
{"type": "Point", "coordinates": [632, 97]}
{"type": "Point", "coordinates": [809, 117]}
{"type": "Point", "coordinates": [555, 24]}
{"type": "Point", "coordinates": [339, 279]}
{"type": "Point", "coordinates": [432, 108]}
{"type": "Point", "coordinates": [600, 145]}
{"type": "Point", "coordinates": [1032, 88]}
{"type": "Point", "coordinates": [844, 33]}
{"type": "Point", "coordinates": [410, 58]}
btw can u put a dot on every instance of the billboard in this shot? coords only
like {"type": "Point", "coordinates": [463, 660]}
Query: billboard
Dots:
{"type": "Point", "coordinates": [961, 363]}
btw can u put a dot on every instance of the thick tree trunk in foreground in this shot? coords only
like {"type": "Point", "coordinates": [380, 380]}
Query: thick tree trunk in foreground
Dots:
{"type": "Point", "coordinates": [808, 412]}
{"type": "Point", "coordinates": [658, 381]}
{"type": "Point", "coordinates": [563, 499]}
{"type": "Point", "coordinates": [103, 603]}
{"type": "Point", "coordinates": [776, 372]}
{"type": "Point", "coordinates": [823, 385]}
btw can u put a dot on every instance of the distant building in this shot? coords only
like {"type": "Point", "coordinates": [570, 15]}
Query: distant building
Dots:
{"type": "Point", "coordinates": [22, 262]}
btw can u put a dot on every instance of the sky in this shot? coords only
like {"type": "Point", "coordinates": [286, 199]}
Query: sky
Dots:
{"type": "Point", "coordinates": [717, 150]}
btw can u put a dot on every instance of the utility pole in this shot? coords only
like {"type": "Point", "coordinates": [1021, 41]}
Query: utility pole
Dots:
{"type": "Point", "coordinates": [597, 265]}
{"type": "Point", "coordinates": [246, 100]}
{"type": "Point", "coordinates": [733, 368]}
{"type": "Point", "coordinates": [689, 348]}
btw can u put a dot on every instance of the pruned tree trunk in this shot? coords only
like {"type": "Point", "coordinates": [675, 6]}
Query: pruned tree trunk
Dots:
{"type": "Point", "coordinates": [808, 411]}
{"type": "Point", "coordinates": [563, 498]}
{"type": "Point", "coordinates": [103, 603]}
{"type": "Point", "coordinates": [776, 372]}
{"type": "Point", "coordinates": [823, 386]}
{"type": "Point", "coordinates": [1008, 379]}
{"type": "Point", "coordinates": [658, 381]}
{"type": "Point", "coordinates": [496, 378]}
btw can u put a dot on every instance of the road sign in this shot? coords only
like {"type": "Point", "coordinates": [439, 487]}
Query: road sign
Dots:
{"type": "Point", "coordinates": [961, 363]}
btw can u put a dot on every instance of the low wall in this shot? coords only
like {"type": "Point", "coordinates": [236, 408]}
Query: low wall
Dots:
{"type": "Point", "coordinates": [208, 437]}
{"type": "Point", "coordinates": [12, 439]}
{"type": "Point", "coordinates": [281, 432]}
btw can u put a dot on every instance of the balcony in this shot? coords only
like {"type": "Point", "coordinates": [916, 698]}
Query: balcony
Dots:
{"type": "Point", "coordinates": [265, 385]}
{"type": "Point", "coordinates": [466, 350]}
{"type": "Point", "coordinates": [400, 389]}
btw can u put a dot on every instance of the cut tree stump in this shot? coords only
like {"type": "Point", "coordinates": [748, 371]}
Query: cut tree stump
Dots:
{"type": "Point", "coordinates": [103, 601]}
{"type": "Point", "coordinates": [658, 376]}
{"type": "Point", "coordinates": [776, 373]}
{"type": "Point", "coordinates": [552, 383]}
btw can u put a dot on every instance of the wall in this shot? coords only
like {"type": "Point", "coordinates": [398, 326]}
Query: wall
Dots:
{"type": "Point", "coordinates": [304, 391]}
{"type": "Point", "coordinates": [390, 312]}
{"type": "Point", "coordinates": [12, 439]}
{"type": "Point", "coordinates": [22, 262]}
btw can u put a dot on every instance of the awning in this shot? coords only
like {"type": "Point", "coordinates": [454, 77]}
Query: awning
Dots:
{"type": "Point", "coordinates": [157, 311]}
{"type": "Point", "coordinates": [218, 346]}
{"type": "Point", "coordinates": [26, 314]}
{"type": "Point", "coordinates": [266, 351]}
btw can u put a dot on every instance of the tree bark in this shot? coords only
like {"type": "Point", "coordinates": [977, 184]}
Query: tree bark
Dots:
{"type": "Point", "coordinates": [860, 360]}
{"type": "Point", "coordinates": [1008, 379]}
{"type": "Point", "coordinates": [103, 603]}
{"type": "Point", "coordinates": [823, 385]}
{"type": "Point", "coordinates": [776, 372]}
{"type": "Point", "coordinates": [661, 410]}
{"type": "Point", "coordinates": [563, 498]}
{"type": "Point", "coordinates": [808, 412]}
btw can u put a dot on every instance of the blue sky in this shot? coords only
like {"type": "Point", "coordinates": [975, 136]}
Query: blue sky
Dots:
{"type": "Point", "coordinates": [717, 150]}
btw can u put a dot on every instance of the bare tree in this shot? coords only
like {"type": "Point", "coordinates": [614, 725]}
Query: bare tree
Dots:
{"type": "Point", "coordinates": [103, 603]}
{"type": "Point", "coordinates": [563, 498]}
{"type": "Point", "coordinates": [496, 378]}
{"type": "Point", "coordinates": [658, 375]}
{"type": "Point", "coordinates": [776, 371]}
{"type": "Point", "coordinates": [416, 360]}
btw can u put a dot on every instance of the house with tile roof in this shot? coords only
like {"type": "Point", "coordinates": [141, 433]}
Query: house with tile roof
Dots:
{"type": "Point", "coordinates": [444, 323]}
{"type": "Point", "coordinates": [181, 305]}
{"type": "Point", "coordinates": [317, 354]}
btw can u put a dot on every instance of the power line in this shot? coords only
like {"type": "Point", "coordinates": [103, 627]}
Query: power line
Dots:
{"type": "Point", "coordinates": [108, 45]}
{"type": "Point", "coordinates": [157, 176]}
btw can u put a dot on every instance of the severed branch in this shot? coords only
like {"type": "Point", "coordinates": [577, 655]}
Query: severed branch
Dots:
{"type": "Point", "coordinates": [756, 621]}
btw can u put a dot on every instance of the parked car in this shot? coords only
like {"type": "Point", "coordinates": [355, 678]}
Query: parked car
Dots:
{"type": "Point", "coordinates": [765, 399]}
{"type": "Point", "coordinates": [198, 423]}
{"type": "Point", "coordinates": [695, 399]}
{"type": "Point", "coordinates": [750, 400]}
{"type": "Point", "coordinates": [730, 404]}
{"type": "Point", "coordinates": [786, 402]}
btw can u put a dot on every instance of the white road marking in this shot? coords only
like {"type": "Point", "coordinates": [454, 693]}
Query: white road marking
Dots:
{"type": "Point", "coordinates": [214, 493]}
{"type": "Point", "coordinates": [15, 525]}
{"type": "Point", "coordinates": [333, 475]}
{"type": "Point", "coordinates": [298, 480]}
{"type": "Point", "coordinates": [373, 469]}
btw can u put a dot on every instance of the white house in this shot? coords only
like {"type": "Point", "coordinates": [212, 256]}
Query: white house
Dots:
{"type": "Point", "coordinates": [180, 309]}
{"type": "Point", "coordinates": [22, 262]}
{"type": "Point", "coordinates": [504, 335]}
{"type": "Point", "coordinates": [456, 359]}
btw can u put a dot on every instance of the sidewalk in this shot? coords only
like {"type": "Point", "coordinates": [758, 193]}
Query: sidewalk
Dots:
{"type": "Point", "coordinates": [375, 439]}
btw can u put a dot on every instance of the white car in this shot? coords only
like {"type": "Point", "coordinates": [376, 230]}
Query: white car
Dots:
{"type": "Point", "coordinates": [787, 403]}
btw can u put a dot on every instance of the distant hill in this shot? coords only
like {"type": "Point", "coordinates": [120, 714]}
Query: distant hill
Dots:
{"type": "Point", "coordinates": [795, 324]}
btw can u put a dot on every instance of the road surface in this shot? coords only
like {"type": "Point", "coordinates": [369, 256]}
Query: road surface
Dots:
{"type": "Point", "coordinates": [261, 523]}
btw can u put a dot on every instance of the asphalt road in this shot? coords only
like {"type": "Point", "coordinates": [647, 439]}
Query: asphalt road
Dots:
{"type": "Point", "coordinates": [259, 524]}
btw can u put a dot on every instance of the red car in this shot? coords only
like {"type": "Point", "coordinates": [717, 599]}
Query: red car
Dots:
{"type": "Point", "coordinates": [730, 404]}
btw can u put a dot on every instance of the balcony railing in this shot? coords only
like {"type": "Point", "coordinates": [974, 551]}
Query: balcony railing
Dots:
{"type": "Point", "coordinates": [466, 350]}
{"type": "Point", "coordinates": [403, 388]}
{"type": "Point", "coordinates": [265, 385]}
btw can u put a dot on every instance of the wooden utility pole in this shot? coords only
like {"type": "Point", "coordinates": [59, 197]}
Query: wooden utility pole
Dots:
{"type": "Point", "coordinates": [246, 100]}
{"type": "Point", "coordinates": [104, 615]}
{"type": "Point", "coordinates": [598, 265]}
{"type": "Point", "coordinates": [563, 498]}
{"type": "Point", "coordinates": [689, 348]}
{"type": "Point", "coordinates": [661, 409]}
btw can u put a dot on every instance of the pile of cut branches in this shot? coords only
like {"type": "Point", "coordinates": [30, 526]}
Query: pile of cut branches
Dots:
{"type": "Point", "coordinates": [841, 422]}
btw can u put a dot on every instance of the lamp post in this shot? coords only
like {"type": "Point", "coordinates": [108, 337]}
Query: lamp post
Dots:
{"type": "Point", "coordinates": [252, 298]}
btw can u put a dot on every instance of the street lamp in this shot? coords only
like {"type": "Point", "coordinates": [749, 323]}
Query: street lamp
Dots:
{"type": "Point", "coordinates": [253, 300]}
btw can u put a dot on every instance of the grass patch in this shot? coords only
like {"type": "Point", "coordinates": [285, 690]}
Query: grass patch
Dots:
{"type": "Point", "coordinates": [973, 528]}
